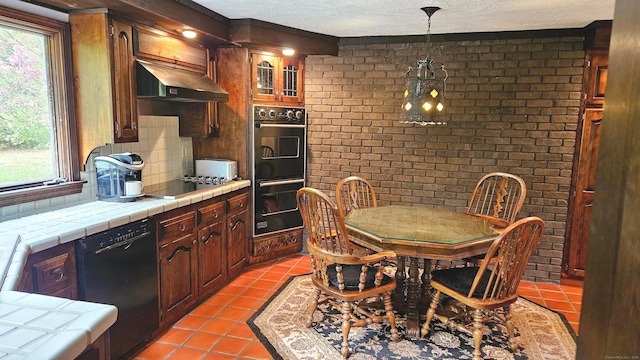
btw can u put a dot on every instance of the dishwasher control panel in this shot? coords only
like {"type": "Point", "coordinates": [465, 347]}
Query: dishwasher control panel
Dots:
{"type": "Point", "coordinates": [121, 234]}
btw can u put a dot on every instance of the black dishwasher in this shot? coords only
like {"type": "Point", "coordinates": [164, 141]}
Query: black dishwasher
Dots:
{"type": "Point", "coordinates": [119, 267]}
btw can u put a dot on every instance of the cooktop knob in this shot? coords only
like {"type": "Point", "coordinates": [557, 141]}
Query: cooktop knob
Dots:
{"type": "Point", "coordinates": [262, 113]}
{"type": "Point", "coordinates": [299, 114]}
{"type": "Point", "coordinates": [272, 113]}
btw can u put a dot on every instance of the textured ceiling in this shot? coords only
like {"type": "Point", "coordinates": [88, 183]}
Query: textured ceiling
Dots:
{"type": "Point", "coordinates": [347, 18]}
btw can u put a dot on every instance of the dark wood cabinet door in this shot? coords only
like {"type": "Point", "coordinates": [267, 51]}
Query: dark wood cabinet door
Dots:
{"type": "Point", "coordinates": [582, 195]}
{"type": "Point", "coordinates": [584, 164]}
{"type": "Point", "coordinates": [200, 120]}
{"type": "Point", "coordinates": [178, 277]}
{"type": "Point", "coordinates": [291, 81]}
{"type": "Point", "coordinates": [126, 108]}
{"type": "Point", "coordinates": [237, 233]}
{"type": "Point", "coordinates": [276, 80]}
{"type": "Point", "coordinates": [178, 254]}
{"type": "Point", "coordinates": [264, 70]}
{"type": "Point", "coordinates": [237, 229]}
{"type": "Point", "coordinates": [211, 259]}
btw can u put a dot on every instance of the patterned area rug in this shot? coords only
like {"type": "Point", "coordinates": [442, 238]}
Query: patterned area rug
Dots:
{"type": "Point", "coordinates": [279, 324]}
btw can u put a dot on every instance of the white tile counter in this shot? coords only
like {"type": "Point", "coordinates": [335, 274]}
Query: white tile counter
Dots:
{"type": "Point", "coordinates": [40, 327]}
{"type": "Point", "coordinates": [44, 327]}
{"type": "Point", "coordinates": [48, 229]}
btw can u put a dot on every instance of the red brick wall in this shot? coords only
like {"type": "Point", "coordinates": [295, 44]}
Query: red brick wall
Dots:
{"type": "Point", "coordinates": [512, 107]}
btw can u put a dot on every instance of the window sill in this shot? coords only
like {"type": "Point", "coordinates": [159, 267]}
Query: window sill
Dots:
{"type": "Point", "coordinates": [22, 196]}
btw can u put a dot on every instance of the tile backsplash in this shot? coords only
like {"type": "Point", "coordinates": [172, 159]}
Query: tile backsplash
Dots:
{"type": "Point", "coordinates": [166, 156]}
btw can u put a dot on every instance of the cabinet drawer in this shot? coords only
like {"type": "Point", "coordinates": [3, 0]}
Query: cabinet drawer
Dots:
{"type": "Point", "coordinates": [52, 273]}
{"type": "Point", "coordinates": [177, 227]}
{"type": "Point", "coordinates": [212, 213]}
{"type": "Point", "coordinates": [238, 203]}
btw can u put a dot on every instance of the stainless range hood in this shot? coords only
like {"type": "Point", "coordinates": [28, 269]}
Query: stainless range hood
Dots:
{"type": "Point", "coordinates": [159, 82]}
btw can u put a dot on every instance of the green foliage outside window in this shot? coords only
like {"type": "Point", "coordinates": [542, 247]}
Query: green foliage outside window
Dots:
{"type": "Point", "coordinates": [24, 98]}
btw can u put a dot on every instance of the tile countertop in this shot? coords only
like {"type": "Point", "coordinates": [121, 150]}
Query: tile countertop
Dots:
{"type": "Point", "coordinates": [36, 326]}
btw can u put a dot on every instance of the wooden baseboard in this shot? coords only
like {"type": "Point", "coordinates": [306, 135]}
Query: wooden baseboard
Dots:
{"type": "Point", "coordinates": [569, 281]}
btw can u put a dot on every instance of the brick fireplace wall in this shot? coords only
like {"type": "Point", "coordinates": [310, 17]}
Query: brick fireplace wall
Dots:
{"type": "Point", "coordinates": [513, 106]}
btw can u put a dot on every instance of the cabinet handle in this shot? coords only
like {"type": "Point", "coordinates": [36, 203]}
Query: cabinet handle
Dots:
{"type": "Point", "coordinates": [181, 227]}
{"type": "Point", "coordinates": [205, 239]}
{"type": "Point", "coordinates": [214, 214]}
{"type": "Point", "coordinates": [236, 223]}
{"type": "Point", "coordinates": [57, 275]}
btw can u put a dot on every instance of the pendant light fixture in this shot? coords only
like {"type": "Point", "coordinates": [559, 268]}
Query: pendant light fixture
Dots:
{"type": "Point", "coordinates": [424, 95]}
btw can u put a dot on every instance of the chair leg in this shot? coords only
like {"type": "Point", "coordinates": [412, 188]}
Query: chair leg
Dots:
{"type": "Point", "coordinates": [510, 328]}
{"type": "Point", "coordinates": [388, 307]}
{"type": "Point", "coordinates": [346, 327]}
{"type": "Point", "coordinates": [432, 310]}
{"type": "Point", "coordinates": [313, 306]}
{"type": "Point", "coordinates": [477, 333]}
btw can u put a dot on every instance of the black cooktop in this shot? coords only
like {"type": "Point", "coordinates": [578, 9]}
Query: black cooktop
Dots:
{"type": "Point", "coordinates": [175, 189]}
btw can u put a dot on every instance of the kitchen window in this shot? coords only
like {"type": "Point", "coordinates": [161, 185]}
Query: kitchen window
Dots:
{"type": "Point", "coordinates": [37, 127]}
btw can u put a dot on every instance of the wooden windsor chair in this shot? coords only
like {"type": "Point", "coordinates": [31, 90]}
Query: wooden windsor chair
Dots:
{"type": "Point", "coordinates": [340, 271]}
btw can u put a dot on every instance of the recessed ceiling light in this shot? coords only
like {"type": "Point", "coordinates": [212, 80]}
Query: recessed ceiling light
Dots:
{"type": "Point", "coordinates": [190, 34]}
{"type": "Point", "coordinates": [288, 52]}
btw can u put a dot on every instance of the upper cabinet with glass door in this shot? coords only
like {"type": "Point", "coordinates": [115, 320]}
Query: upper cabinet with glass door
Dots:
{"type": "Point", "coordinates": [276, 79]}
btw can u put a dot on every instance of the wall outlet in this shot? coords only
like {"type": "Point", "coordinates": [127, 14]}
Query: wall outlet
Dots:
{"type": "Point", "coordinates": [184, 152]}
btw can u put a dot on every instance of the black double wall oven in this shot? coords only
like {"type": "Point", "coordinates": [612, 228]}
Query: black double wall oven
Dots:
{"type": "Point", "coordinates": [279, 160]}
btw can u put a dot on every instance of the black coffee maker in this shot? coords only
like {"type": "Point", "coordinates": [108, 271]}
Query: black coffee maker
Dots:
{"type": "Point", "coordinates": [116, 174]}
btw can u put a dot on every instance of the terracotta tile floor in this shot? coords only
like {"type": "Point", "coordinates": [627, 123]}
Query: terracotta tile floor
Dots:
{"type": "Point", "coordinates": [217, 328]}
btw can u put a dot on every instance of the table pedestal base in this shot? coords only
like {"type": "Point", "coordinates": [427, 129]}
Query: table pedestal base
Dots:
{"type": "Point", "coordinates": [417, 291]}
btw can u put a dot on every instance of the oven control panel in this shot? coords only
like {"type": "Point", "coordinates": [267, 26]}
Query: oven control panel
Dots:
{"type": "Point", "coordinates": [278, 114]}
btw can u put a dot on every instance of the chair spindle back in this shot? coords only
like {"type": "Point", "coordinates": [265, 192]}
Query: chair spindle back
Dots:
{"type": "Point", "coordinates": [324, 222]}
{"type": "Point", "coordinates": [509, 255]}
{"type": "Point", "coordinates": [354, 192]}
{"type": "Point", "coordinates": [498, 197]}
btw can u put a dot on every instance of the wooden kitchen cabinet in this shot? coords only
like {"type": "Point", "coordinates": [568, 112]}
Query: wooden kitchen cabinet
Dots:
{"type": "Point", "coordinates": [212, 120]}
{"type": "Point", "coordinates": [201, 247]}
{"type": "Point", "coordinates": [201, 120]}
{"type": "Point", "coordinates": [178, 256]}
{"type": "Point", "coordinates": [276, 79]}
{"type": "Point", "coordinates": [169, 50]}
{"type": "Point", "coordinates": [51, 272]}
{"type": "Point", "coordinates": [104, 81]}
{"type": "Point", "coordinates": [582, 192]}
{"type": "Point", "coordinates": [237, 233]}
{"type": "Point", "coordinates": [197, 120]}
{"type": "Point", "coordinates": [211, 241]}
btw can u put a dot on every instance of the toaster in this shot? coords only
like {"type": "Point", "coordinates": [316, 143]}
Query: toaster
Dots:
{"type": "Point", "coordinates": [220, 168]}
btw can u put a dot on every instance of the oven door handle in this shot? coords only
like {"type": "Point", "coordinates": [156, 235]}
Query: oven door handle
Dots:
{"type": "Point", "coordinates": [285, 126]}
{"type": "Point", "coordinates": [280, 182]}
